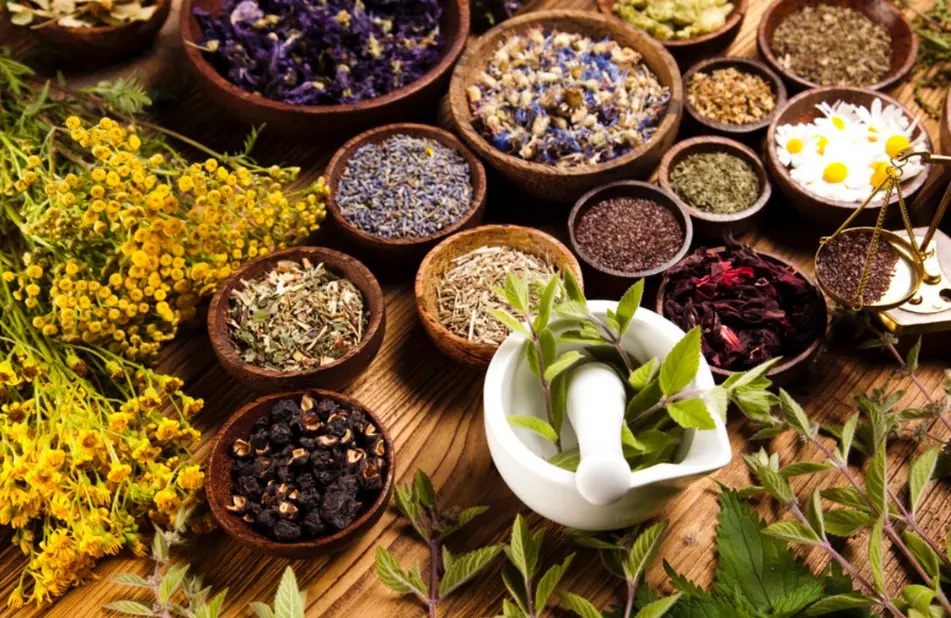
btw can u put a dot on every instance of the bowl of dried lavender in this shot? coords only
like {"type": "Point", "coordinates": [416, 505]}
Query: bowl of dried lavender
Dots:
{"type": "Point", "coordinates": [457, 281]}
{"type": "Point", "coordinates": [297, 318]}
{"type": "Point", "coordinates": [397, 190]}
{"type": "Point", "coordinates": [329, 68]}
{"type": "Point", "coordinates": [560, 102]}
{"type": "Point", "coordinates": [300, 474]}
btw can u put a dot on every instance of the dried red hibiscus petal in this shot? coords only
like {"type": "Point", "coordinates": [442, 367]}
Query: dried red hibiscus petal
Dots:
{"type": "Point", "coordinates": [750, 307]}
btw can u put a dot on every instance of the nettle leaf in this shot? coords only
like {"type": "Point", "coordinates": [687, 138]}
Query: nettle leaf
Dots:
{"type": "Point", "coordinates": [516, 292]}
{"type": "Point", "coordinates": [579, 605]}
{"type": "Point", "coordinates": [509, 320]}
{"type": "Point", "coordinates": [845, 522]}
{"type": "Point", "coordinates": [719, 400]}
{"type": "Point", "coordinates": [680, 583]}
{"type": "Point", "coordinates": [462, 569]}
{"type": "Point", "coordinates": [921, 471]}
{"type": "Point", "coordinates": [564, 361]}
{"type": "Point", "coordinates": [805, 467]}
{"type": "Point", "coordinates": [643, 375]}
{"type": "Point", "coordinates": [681, 364]}
{"type": "Point", "coordinates": [911, 360]}
{"type": "Point", "coordinates": [840, 602]}
{"type": "Point", "coordinates": [545, 303]}
{"type": "Point", "coordinates": [389, 572]}
{"type": "Point", "coordinates": [691, 413]}
{"type": "Point", "coordinates": [875, 554]}
{"type": "Point", "coordinates": [131, 579]}
{"type": "Point", "coordinates": [567, 460]}
{"type": "Point", "coordinates": [172, 580]}
{"type": "Point", "coordinates": [643, 552]}
{"type": "Point", "coordinates": [572, 288]}
{"type": "Point", "coordinates": [548, 583]}
{"type": "Point", "coordinates": [131, 608]}
{"type": "Point", "coordinates": [628, 305]}
{"type": "Point", "coordinates": [848, 434]}
{"type": "Point", "coordinates": [658, 608]}
{"type": "Point", "coordinates": [794, 531]}
{"type": "Point", "coordinates": [795, 415]}
{"type": "Point", "coordinates": [924, 553]}
{"type": "Point", "coordinates": [643, 401]}
{"type": "Point", "coordinates": [534, 424]}
{"type": "Point", "coordinates": [815, 515]}
{"type": "Point", "coordinates": [875, 481]}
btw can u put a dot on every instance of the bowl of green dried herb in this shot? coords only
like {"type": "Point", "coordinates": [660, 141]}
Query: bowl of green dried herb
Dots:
{"type": "Point", "coordinates": [298, 318]}
{"type": "Point", "coordinates": [720, 182]}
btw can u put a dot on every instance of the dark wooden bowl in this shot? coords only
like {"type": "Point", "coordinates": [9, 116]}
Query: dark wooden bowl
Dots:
{"type": "Point", "coordinates": [824, 211]}
{"type": "Point", "coordinates": [302, 121]}
{"type": "Point", "coordinates": [106, 41]}
{"type": "Point", "coordinates": [402, 249]}
{"type": "Point", "coordinates": [688, 51]}
{"type": "Point", "coordinates": [439, 260]}
{"type": "Point", "coordinates": [218, 485]}
{"type": "Point", "coordinates": [701, 124]}
{"type": "Point", "coordinates": [337, 374]}
{"type": "Point", "coordinates": [545, 181]}
{"type": "Point", "coordinates": [789, 370]}
{"type": "Point", "coordinates": [706, 223]}
{"type": "Point", "coordinates": [614, 281]}
{"type": "Point", "coordinates": [904, 40]}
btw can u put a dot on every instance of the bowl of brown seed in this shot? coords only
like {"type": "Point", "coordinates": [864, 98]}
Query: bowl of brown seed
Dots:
{"type": "Point", "coordinates": [298, 318]}
{"type": "Point", "coordinates": [456, 282]}
{"type": "Point", "coordinates": [300, 474]}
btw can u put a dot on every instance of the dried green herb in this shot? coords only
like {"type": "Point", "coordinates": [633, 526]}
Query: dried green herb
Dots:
{"type": "Point", "coordinates": [297, 317]}
{"type": "Point", "coordinates": [933, 66]}
{"type": "Point", "coordinates": [715, 182]}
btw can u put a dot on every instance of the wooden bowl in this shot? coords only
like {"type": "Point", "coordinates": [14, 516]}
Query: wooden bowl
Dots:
{"type": "Point", "coordinates": [824, 211]}
{"type": "Point", "coordinates": [615, 282]}
{"type": "Point", "coordinates": [904, 40]}
{"type": "Point", "coordinates": [106, 41]}
{"type": "Point", "coordinates": [311, 121]}
{"type": "Point", "coordinates": [402, 249]}
{"type": "Point", "coordinates": [688, 51]}
{"type": "Point", "coordinates": [545, 181]}
{"type": "Point", "coordinates": [218, 485]}
{"type": "Point", "coordinates": [707, 223]}
{"type": "Point", "coordinates": [439, 260]}
{"type": "Point", "coordinates": [702, 124]}
{"type": "Point", "coordinates": [337, 374]}
{"type": "Point", "coordinates": [789, 370]}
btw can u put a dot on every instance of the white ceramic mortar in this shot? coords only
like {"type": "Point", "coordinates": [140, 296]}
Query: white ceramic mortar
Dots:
{"type": "Point", "coordinates": [520, 455]}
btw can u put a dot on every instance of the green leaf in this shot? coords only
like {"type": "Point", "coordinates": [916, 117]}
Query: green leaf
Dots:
{"type": "Point", "coordinates": [719, 401]}
{"type": "Point", "coordinates": [643, 375]}
{"type": "Point", "coordinates": [213, 608]}
{"type": "Point", "coordinates": [548, 583]}
{"type": "Point", "coordinates": [643, 552]}
{"type": "Point", "coordinates": [572, 310]}
{"type": "Point", "coordinates": [172, 580]}
{"type": "Point", "coordinates": [511, 611]}
{"type": "Point", "coordinates": [545, 304]}
{"type": "Point", "coordinates": [795, 415]}
{"type": "Point", "coordinates": [739, 380]}
{"type": "Point", "coordinates": [681, 364]}
{"type": "Point", "coordinates": [792, 531]}
{"type": "Point", "coordinates": [463, 568]}
{"type": "Point", "coordinates": [559, 400]}
{"type": "Point", "coordinates": [628, 305]}
{"type": "Point", "coordinates": [579, 605]}
{"type": "Point", "coordinates": [516, 292]}
{"type": "Point", "coordinates": [844, 522]}
{"type": "Point", "coordinates": [159, 546]}
{"type": "Point", "coordinates": [769, 432]}
{"type": "Point", "coordinates": [923, 553]}
{"type": "Point", "coordinates": [389, 572]}
{"type": "Point", "coordinates": [262, 610]}
{"type": "Point", "coordinates": [658, 608]}
{"type": "Point", "coordinates": [566, 460]}
{"type": "Point", "coordinates": [628, 439]}
{"type": "Point", "coordinates": [507, 319]}
{"type": "Point", "coordinates": [875, 554]}
{"type": "Point", "coordinates": [468, 514]}
{"type": "Point", "coordinates": [534, 424]}
{"type": "Point", "coordinates": [815, 515]}
{"type": "Point", "coordinates": [531, 355]}
{"type": "Point", "coordinates": [681, 584]}
{"type": "Point", "coordinates": [515, 583]}
{"type": "Point", "coordinates": [131, 579]}
{"type": "Point", "coordinates": [919, 597]}
{"type": "Point", "coordinates": [564, 361]}
{"type": "Point", "coordinates": [756, 405]}
{"type": "Point", "coordinates": [848, 434]}
{"type": "Point", "coordinates": [572, 289]}
{"type": "Point", "coordinates": [776, 485]}
{"type": "Point", "coordinates": [423, 488]}
{"type": "Point", "coordinates": [131, 608]}
{"type": "Point", "coordinates": [840, 602]}
{"type": "Point", "coordinates": [804, 467]}
{"type": "Point", "coordinates": [643, 401]}
{"type": "Point", "coordinates": [911, 360]}
{"type": "Point", "coordinates": [875, 480]}
{"type": "Point", "coordinates": [921, 472]}
{"type": "Point", "coordinates": [846, 496]}
{"type": "Point", "coordinates": [521, 552]}
{"type": "Point", "coordinates": [691, 413]}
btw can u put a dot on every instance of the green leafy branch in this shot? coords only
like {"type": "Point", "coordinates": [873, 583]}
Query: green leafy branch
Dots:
{"type": "Point", "coordinates": [434, 524]}
{"type": "Point", "coordinates": [529, 599]}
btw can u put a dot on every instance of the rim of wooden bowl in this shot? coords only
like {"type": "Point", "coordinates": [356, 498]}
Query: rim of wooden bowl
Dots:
{"type": "Point", "coordinates": [747, 65]}
{"type": "Point", "coordinates": [711, 143]}
{"type": "Point", "coordinates": [574, 21]}
{"type": "Point", "coordinates": [219, 478]}
{"type": "Point", "coordinates": [660, 196]}
{"type": "Point", "coordinates": [191, 35]}
{"type": "Point", "coordinates": [338, 165]}
{"type": "Point", "coordinates": [480, 353]}
{"type": "Point", "coordinates": [830, 94]}
{"type": "Point", "coordinates": [733, 19]}
{"type": "Point", "coordinates": [945, 125]}
{"type": "Point", "coordinates": [338, 263]}
{"type": "Point", "coordinates": [768, 24]}
{"type": "Point", "coordinates": [161, 13]}
{"type": "Point", "coordinates": [787, 364]}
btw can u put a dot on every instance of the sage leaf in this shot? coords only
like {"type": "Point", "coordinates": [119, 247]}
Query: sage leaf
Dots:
{"type": "Point", "coordinates": [564, 361]}
{"type": "Point", "coordinates": [130, 608]}
{"type": "Point", "coordinates": [805, 467]}
{"type": "Point", "coordinates": [534, 424]}
{"type": "Point", "coordinates": [463, 568]}
{"type": "Point", "coordinates": [792, 531]}
{"type": "Point", "coordinates": [681, 364]}
{"type": "Point", "coordinates": [572, 288]}
{"type": "Point", "coordinates": [923, 553]}
{"type": "Point", "coordinates": [579, 605]}
{"type": "Point", "coordinates": [509, 320]}
{"type": "Point", "coordinates": [840, 602]}
{"type": "Point", "coordinates": [795, 415]}
{"type": "Point", "coordinates": [262, 610]}
{"type": "Point", "coordinates": [389, 572]}
{"type": "Point", "coordinates": [628, 305]}
{"type": "Point", "coordinates": [691, 413]}
{"type": "Point", "coordinates": [921, 471]}
{"type": "Point", "coordinates": [545, 304]}
{"type": "Point", "coordinates": [875, 480]}
{"type": "Point", "coordinates": [424, 490]}
{"type": "Point", "coordinates": [516, 292]}
{"type": "Point", "coordinates": [643, 375]}
{"type": "Point", "coordinates": [548, 583]}
{"type": "Point", "coordinates": [815, 515]}
{"type": "Point", "coordinates": [844, 522]}
{"type": "Point", "coordinates": [658, 608]}
{"type": "Point", "coordinates": [875, 553]}
{"type": "Point", "coordinates": [172, 580]}
{"type": "Point", "coordinates": [643, 552]}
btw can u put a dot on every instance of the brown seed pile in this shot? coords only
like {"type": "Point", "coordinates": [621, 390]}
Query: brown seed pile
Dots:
{"type": "Point", "coordinates": [730, 96]}
{"type": "Point", "coordinates": [628, 235]}
{"type": "Point", "coordinates": [833, 46]}
{"type": "Point", "coordinates": [841, 262]}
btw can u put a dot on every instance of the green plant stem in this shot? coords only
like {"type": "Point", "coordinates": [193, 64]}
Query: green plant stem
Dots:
{"type": "Point", "coordinates": [666, 400]}
{"type": "Point", "coordinates": [921, 387]}
{"type": "Point", "coordinates": [434, 557]}
{"type": "Point", "coordinates": [613, 340]}
{"type": "Point", "coordinates": [629, 606]}
{"type": "Point", "coordinates": [912, 522]}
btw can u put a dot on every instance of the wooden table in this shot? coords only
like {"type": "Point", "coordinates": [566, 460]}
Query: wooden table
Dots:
{"type": "Point", "coordinates": [434, 411]}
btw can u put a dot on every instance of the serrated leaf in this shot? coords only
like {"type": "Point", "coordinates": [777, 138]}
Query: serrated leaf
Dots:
{"type": "Point", "coordinates": [389, 572]}
{"type": "Point", "coordinates": [262, 610]}
{"type": "Point", "coordinates": [628, 440]}
{"type": "Point", "coordinates": [844, 522]}
{"type": "Point", "coordinates": [131, 608]}
{"type": "Point", "coordinates": [463, 568]}
{"type": "Point", "coordinates": [769, 432]}
{"type": "Point", "coordinates": [776, 485]}
{"type": "Point", "coordinates": [795, 415]}
{"type": "Point", "coordinates": [680, 583]}
{"type": "Point", "coordinates": [213, 608]}
{"type": "Point", "coordinates": [511, 611]}
{"type": "Point", "coordinates": [691, 413]}
{"type": "Point", "coordinates": [572, 310]}
{"type": "Point", "coordinates": [681, 364]}
{"type": "Point", "coordinates": [516, 292]}
{"type": "Point", "coordinates": [875, 554]}
{"type": "Point", "coordinates": [920, 475]}
{"type": "Point", "coordinates": [508, 320]}
{"type": "Point", "coordinates": [579, 605]}
{"type": "Point", "coordinates": [545, 303]}
{"type": "Point", "coordinates": [548, 582]}
{"type": "Point", "coordinates": [172, 580]}
{"type": "Point", "coordinates": [568, 459]}
{"type": "Point", "coordinates": [739, 380]}
{"type": "Point", "coordinates": [756, 405]}
{"type": "Point", "coordinates": [521, 547]}
{"type": "Point", "coordinates": [846, 496]}
{"type": "Point", "coordinates": [923, 553]}
{"type": "Point", "coordinates": [534, 424]}
{"type": "Point", "coordinates": [840, 602]}
{"type": "Point", "coordinates": [911, 360]}
{"type": "Point", "coordinates": [159, 546]}
{"type": "Point", "coordinates": [848, 434]}
{"type": "Point", "coordinates": [572, 288]}
{"type": "Point", "coordinates": [658, 608]}
{"type": "Point", "coordinates": [131, 579]}
{"type": "Point", "coordinates": [875, 480]}
{"type": "Point", "coordinates": [815, 514]}
{"type": "Point", "coordinates": [423, 488]}
{"type": "Point", "coordinates": [804, 467]}
{"type": "Point", "coordinates": [643, 375]}
{"type": "Point", "coordinates": [628, 305]}
{"type": "Point", "coordinates": [643, 552]}
{"type": "Point", "coordinates": [643, 401]}
{"type": "Point", "coordinates": [468, 514]}
{"type": "Point", "coordinates": [794, 531]}
{"type": "Point", "coordinates": [719, 401]}
{"type": "Point", "coordinates": [564, 361]}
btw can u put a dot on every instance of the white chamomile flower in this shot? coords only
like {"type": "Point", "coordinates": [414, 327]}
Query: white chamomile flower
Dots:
{"type": "Point", "coordinates": [791, 142]}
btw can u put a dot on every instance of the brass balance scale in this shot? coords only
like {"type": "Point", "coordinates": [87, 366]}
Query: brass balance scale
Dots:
{"type": "Point", "coordinates": [918, 296]}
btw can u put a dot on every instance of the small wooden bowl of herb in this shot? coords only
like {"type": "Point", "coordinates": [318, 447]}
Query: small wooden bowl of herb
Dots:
{"type": "Point", "coordinates": [720, 182]}
{"type": "Point", "coordinates": [331, 485]}
{"type": "Point", "coordinates": [857, 43]}
{"type": "Point", "coordinates": [456, 280]}
{"type": "Point", "coordinates": [298, 318]}
{"type": "Point", "coordinates": [732, 97]}
{"type": "Point", "coordinates": [397, 190]}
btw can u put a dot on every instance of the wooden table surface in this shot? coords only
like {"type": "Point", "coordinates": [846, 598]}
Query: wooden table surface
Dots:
{"type": "Point", "coordinates": [433, 409]}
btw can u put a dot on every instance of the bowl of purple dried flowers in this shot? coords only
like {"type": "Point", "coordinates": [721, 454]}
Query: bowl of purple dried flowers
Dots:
{"type": "Point", "coordinates": [334, 67]}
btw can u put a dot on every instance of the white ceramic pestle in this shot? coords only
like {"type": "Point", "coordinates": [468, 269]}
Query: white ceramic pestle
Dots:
{"type": "Point", "coordinates": [595, 406]}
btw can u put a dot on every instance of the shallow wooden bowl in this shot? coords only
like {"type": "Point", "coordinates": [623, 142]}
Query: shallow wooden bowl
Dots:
{"type": "Point", "coordinates": [317, 121]}
{"type": "Point", "coordinates": [701, 124]}
{"type": "Point", "coordinates": [106, 41]}
{"type": "Point", "coordinates": [337, 374]}
{"type": "Point", "coordinates": [688, 51]}
{"type": "Point", "coordinates": [218, 486]}
{"type": "Point", "coordinates": [904, 39]}
{"type": "Point", "coordinates": [545, 181]}
{"type": "Point", "coordinates": [707, 223]}
{"type": "Point", "coordinates": [615, 282]}
{"type": "Point", "coordinates": [789, 370]}
{"type": "Point", "coordinates": [402, 249]}
{"type": "Point", "coordinates": [439, 260]}
{"type": "Point", "coordinates": [824, 211]}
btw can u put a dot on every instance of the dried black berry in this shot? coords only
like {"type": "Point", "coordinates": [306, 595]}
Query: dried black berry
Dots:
{"type": "Point", "coordinates": [261, 424]}
{"type": "Point", "coordinates": [267, 520]}
{"type": "Point", "coordinates": [241, 449]}
{"type": "Point", "coordinates": [249, 487]}
{"type": "Point", "coordinates": [306, 480]}
{"type": "Point", "coordinates": [326, 407]}
{"type": "Point", "coordinates": [308, 499]}
{"type": "Point", "coordinates": [286, 532]}
{"type": "Point", "coordinates": [327, 477]}
{"type": "Point", "coordinates": [238, 505]}
{"type": "Point", "coordinates": [309, 444]}
{"type": "Point", "coordinates": [371, 476]}
{"type": "Point", "coordinates": [299, 457]}
{"type": "Point", "coordinates": [322, 459]}
{"type": "Point", "coordinates": [284, 411]}
{"type": "Point", "coordinates": [354, 459]}
{"type": "Point", "coordinates": [310, 422]}
{"type": "Point", "coordinates": [241, 468]}
{"type": "Point", "coordinates": [285, 474]}
{"type": "Point", "coordinates": [281, 434]}
{"type": "Point", "coordinates": [356, 421]}
{"type": "Point", "coordinates": [313, 525]}
{"type": "Point", "coordinates": [327, 441]}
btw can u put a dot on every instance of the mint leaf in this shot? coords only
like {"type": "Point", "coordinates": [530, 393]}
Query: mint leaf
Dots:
{"type": "Point", "coordinates": [566, 460]}
{"type": "Point", "coordinates": [389, 572]}
{"type": "Point", "coordinates": [658, 608]}
{"type": "Point", "coordinates": [920, 475]}
{"type": "Point", "coordinates": [875, 553]}
{"type": "Point", "coordinates": [643, 375]}
{"type": "Point", "coordinates": [691, 413]}
{"type": "Point", "coordinates": [130, 608]}
{"type": "Point", "coordinates": [548, 583]}
{"type": "Point", "coordinates": [923, 552]}
{"type": "Point", "coordinates": [515, 584]}
{"type": "Point", "coordinates": [572, 288]}
{"type": "Point", "coordinates": [516, 292]}
{"type": "Point", "coordinates": [579, 605]}
{"type": "Point", "coordinates": [846, 522]}
{"type": "Point", "coordinates": [804, 467]}
{"type": "Point", "coordinates": [795, 415]}
{"type": "Point", "coordinates": [261, 610]}
{"type": "Point", "coordinates": [506, 318]}
{"type": "Point", "coordinates": [463, 568]}
{"type": "Point", "coordinates": [840, 602]}
{"type": "Point", "coordinates": [719, 400]}
{"type": "Point", "coordinates": [875, 482]}
{"type": "Point", "coordinates": [628, 305]}
{"type": "Point", "coordinates": [172, 580]}
{"type": "Point", "coordinates": [815, 514]}
{"type": "Point", "coordinates": [545, 304]}
{"type": "Point", "coordinates": [534, 424]}
{"type": "Point", "coordinates": [559, 400]}
{"type": "Point", "coordinates": [564, 361]}
{"type": "Point", "coordinates": [792, 531]}
{"type": "Point", "coordinates": [423, 489]}
{"type": "Point", "coordinates": [546, 341]}
{"type": "Point", "coordinates": [848, 434]}
{"type": "Point", "coordinates": [131, 579]}
{"type": "Point", "coordinates": [521, 548]}
{"type": "Point", "coordinates": [643, 401]}
{"type": "Point", "coordinates": [643, 552]}
{"type": "Point", "coordinates": [681, 364]}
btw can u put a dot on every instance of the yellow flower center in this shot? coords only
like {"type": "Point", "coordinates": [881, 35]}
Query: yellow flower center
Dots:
{"type": "Point", "coordinates": [838, 123]}
{"type": "Point", "coordinates": [794, 146]}
{"type": "Point", "coordinates": [821, 143]}
{"type": "Point", "coordinates": [895, 144]}
{"type": "Point", "coordinates": [835, 172]}
{"type": "Point", "coordinates": [879, 172]}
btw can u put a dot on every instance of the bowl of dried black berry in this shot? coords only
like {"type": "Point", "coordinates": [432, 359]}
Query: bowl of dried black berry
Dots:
{"type": "Point", "coordinates": [300, 474]}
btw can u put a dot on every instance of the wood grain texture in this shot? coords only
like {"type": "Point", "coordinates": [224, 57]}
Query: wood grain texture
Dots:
{"type": "Point", "coordinates": [433, 408]}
